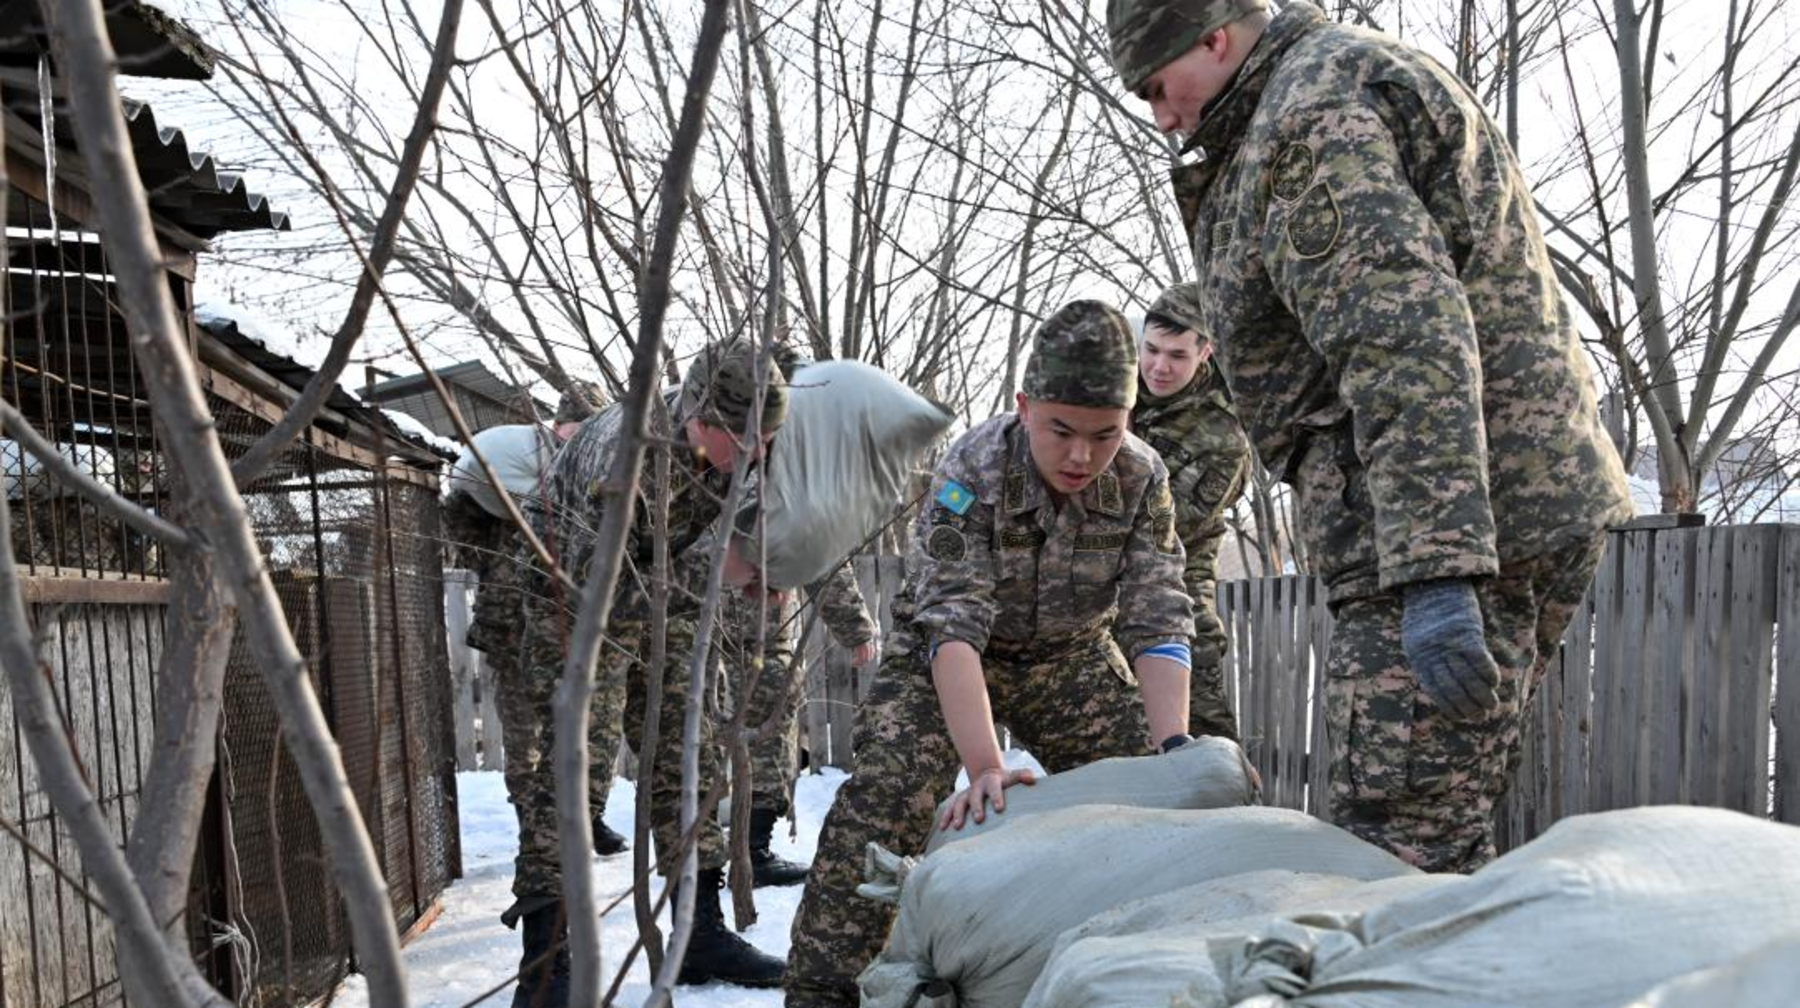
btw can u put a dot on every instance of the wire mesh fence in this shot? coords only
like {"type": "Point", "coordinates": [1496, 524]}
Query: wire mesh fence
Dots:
{"type": "Point", "coordinates": [352, 543]}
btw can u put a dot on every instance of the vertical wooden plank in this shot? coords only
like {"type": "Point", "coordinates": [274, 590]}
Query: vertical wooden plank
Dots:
{"type": "Point", "coordinates": [1319, 767]}
{"type": "Point", "coordinates": [463, 677]}
{"type": "Point", "coordinates": [1268, 666]}
{"type": "Point", "coordinates": [1578, 705]}
{"type": "Point", "coordinates": [1755, 555]}
{"type": "Point", "coordinates": [1631, 684]}
{"type": "Point", "coordinates": [1281, 638]}
{"type": "Point", "coordinates": [1602, 785]}
{"type": "Point", "coordinates": [1787, 690]}
{"type": "Point", "coordinates": [1705, 770]}
{"type": "Point", "coordinates": [493, 737]}
{"type": "Point", "coordinates": [1228, 661]}
{"type": "Point", "coordinates": [1671, 639]}
{"type": "Point", "coordinates": [1299, 682]}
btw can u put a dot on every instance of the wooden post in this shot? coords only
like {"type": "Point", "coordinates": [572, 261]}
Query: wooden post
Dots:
{"type": "Point", "coordinates": [464, 667]}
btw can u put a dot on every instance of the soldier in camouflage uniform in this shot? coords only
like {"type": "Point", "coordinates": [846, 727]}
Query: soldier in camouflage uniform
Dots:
{"type": "Point", "coordinates": [1050, 533]}
{"type": "Point", "coordinates": [491, 546]}
{"type": "Point", "coordinates": [1388, 320]}
{"type": "Point", "coordinates": [774, 697]}
{"type": "Point", "coordinates": [1184, 412]}
{"type": "Point", "coordinates": [704, 419]}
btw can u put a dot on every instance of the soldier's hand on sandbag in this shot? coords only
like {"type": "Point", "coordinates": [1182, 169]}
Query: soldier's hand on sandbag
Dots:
{"type": "Point", "coordinates": [989, 785]}
{"type": "Point", "coordinates": [1445, 642]}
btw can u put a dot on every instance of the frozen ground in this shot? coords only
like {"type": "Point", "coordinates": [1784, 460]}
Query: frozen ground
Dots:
{"type": "Point", "coordinates": [467, 950]}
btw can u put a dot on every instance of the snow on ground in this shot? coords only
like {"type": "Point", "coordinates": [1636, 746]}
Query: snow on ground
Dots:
{"type": "Point", "coordinates": [467, 950]}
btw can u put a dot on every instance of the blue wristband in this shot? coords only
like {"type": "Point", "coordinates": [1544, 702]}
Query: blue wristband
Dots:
{"type": "Point", "coordinates": [1178, 653]}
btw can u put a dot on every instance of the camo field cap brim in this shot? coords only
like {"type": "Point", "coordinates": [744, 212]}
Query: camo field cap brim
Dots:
{"type": "Point", "coordinates": [1181, 304]}
{"type": "Point", "coordinates": [582, 399]}
{"type": "Point", "coordinates": [720, 388]}
{"type": "Point", "coordinates": [1084, 355]}
{"type": "Point", "coordinates": [1148, 34]}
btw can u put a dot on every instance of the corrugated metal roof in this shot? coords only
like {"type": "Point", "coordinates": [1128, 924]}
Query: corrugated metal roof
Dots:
{"type": "Point", "coordinates": [149, 43]}
{"type": "Point", "coordinates": [186, 187]}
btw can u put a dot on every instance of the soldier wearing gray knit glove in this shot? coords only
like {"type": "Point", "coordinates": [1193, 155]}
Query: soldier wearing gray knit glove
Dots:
{"type": "Point", "coordinates": [1446, 646]}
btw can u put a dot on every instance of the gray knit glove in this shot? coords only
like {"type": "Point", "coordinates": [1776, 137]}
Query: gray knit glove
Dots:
{"type": "Point", "coordinates": [1441, 632]}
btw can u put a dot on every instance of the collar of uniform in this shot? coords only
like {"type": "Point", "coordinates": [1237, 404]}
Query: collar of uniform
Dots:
{"type": "Point", "coordinates": [1024, 487]}
{"type": "Point", "coordinates": [1222, 122]}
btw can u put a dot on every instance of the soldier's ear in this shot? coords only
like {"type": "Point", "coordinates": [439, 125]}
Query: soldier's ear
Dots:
{"type": "Point", "coordinates": [1024, 406]}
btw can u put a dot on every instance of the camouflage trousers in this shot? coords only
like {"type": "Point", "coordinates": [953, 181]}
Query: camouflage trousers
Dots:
{"type": "Point", "coordinates": [627, 661]}
{"type": "Point", "coordinates": [1404, 774]}
{"type": "Point", "coordinates": [526, 674]}
{"type": "Point", "coordinates": [1209, 705]}
{"type": "Point", "coordinates": [774, 701]}
{"type": "Point", "coordinates": [1069, 706]}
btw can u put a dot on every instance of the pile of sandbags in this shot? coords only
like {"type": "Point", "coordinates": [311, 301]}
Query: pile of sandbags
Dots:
{"type": "Point", "coordinates": [1206, 773]}
{"type": "Point", "coordinates": [1766, 978]}
{"type": "Point", "coordinates": [979, 918]}
{"type": "Point", "coordinates": [837, 468]}
{"type": "Point", "coordinates": [1596, 913]}
{"type": "Point", "coordinates": [1152, 951]}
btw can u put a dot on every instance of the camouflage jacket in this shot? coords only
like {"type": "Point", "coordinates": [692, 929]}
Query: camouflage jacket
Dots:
{"type": "Point", "coordinates": [1387, 315]}
{"type": "Point", "coordinates": [1202, 443]}
{"type": "Point", "coordinates": [993, 560]}
{"type": "Point", "coordinates": [568, 516]}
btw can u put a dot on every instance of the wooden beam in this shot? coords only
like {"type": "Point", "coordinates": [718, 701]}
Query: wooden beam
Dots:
{"type": "Point", "coordinates": [66, 586]}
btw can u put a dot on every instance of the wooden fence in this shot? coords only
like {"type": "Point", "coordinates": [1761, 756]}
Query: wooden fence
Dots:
{"type": "Point", "coordinates": [1678, 682]}
{"type": "Point", "coordinates": [472, 706]}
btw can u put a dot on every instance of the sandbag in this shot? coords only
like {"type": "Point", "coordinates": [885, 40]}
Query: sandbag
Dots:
{"type": "Point", "coordinates": [982, 914]}
{"type": "Point", "coordinates": [838, 467]}
{"type": "Point", "coordinates": [519, 453]}
{"type": "Point", "coordinates": [1766, 978]}
{"type": "Point", "coordinates": [1154, 951]}
{"type": "Point", "coordinates": [1206, 773]}
{"type": "Point", "coordinates": [1593, 914]}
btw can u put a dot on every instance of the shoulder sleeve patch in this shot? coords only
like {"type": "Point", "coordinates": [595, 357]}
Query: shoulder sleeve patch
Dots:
{"type": "Point", "coordinates": [1314, 222]}
{"type": "Point", "coordinates": [1292, 172]}
{"type": "Point", "coordinates": [946, 544]}
{"type": "Point", "coordinates": [958, 498]}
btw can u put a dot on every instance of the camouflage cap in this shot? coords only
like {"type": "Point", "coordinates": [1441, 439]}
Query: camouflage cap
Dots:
{"type": "Point", "coordinates": [1147, 34]}
{"type": "Point", "coordinates": [1084, 355]}
{"type": "Point", "coordinates": [721, 386]}
{"type": "Point", "coordinates": [582, 399]}
{"type": "Point", "coordinates": [1180, 304]}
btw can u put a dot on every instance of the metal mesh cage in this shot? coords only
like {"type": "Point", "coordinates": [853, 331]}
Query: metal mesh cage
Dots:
{"type": "Point", "coordinates": [352, 545]}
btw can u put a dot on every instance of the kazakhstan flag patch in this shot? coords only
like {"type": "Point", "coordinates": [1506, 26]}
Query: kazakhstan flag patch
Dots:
{"type": "Point", "coordinates": [956, 497]}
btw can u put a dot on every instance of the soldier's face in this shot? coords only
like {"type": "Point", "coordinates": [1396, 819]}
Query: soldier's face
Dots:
{"type": "Point", "coordinates": [1185, 85]}
{"type": "Point", "coordinates": [1071, 445]}
{"type": "Point", "coordinates": [1169, 358]}
{"type": "Point", "coordinates": [720, 448]}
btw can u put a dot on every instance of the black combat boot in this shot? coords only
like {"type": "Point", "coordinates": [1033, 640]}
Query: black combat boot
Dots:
{"type": "Point", "coordinates": [607, 841]}
{"type": "Point", "coordinates": [770, 869]}
{"type": "Point", "coordinates": [715, 952]}
{"type": "Point", "coordinates": [544, 965]}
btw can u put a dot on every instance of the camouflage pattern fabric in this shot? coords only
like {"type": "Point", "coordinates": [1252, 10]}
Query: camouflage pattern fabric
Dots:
{"type": "Point", "coordinates": [993, 561]}
{"type": "Point", "coordinates": [780, 689]}
{"type": "Point", "coordinates": [1083, 355]}
{"type": "Point", "coordinates": [567, 517]}
{"type": "Point", "coordinates": [1147, 34]}
{"type": "Point", "coordinates": [1387, 316]}
{"type": "Point", "coordinates": [534, 642]}
{"type": "Point", "coordinates": [1394, 339]}
{"type": "Point", "coordinates": [582, 399]}
{"type": "Point", "coordinates": [1208, 456]}
{"type": "Point", "coordinates": [1041, 593]}
{"type": "Point", "coordinates": [1404, 775]}
{"type": "Point", "coordinates": [1068, 705]}
{"type": "Point", "coordinates": [720, 387]}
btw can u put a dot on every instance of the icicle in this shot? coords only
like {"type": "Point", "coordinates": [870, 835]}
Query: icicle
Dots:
{"type": "Point", "coordinates": [47, 115]}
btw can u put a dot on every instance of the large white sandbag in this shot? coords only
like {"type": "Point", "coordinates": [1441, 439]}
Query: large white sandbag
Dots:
{"type": "Point", "coordinates": [1206, 773]}
{"type": "Point", "coordinates": [1593, 914]}
{"type": "Point", "coordinates": [1154, 951]}
{"type": "Point", "coordinates": [983, 914]}
{"type": "Point", "coordinates": [519, 453]}
{"type": "Point", "coordinates": [1766, 978]}
{"type": "Point", "coordinates": [26, 475]}
{"type": "Point", "coordinates": [838, 466]}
